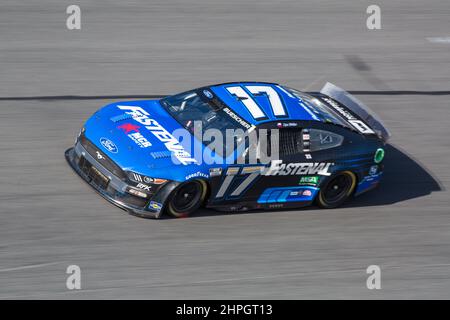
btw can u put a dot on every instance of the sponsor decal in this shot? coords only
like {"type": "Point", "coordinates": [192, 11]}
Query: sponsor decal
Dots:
{"type": "Point", "coordinates": [172, 144]}
{"type": "Point", "coordinates": [310, 180]}
{"type": "Point", "coordinates": [109, 145]}
{"type": "Point", "coordinates": [143, 187]}
{"type": "Point", "coordinates": [213, 172]}
{"type": "Point", "coordinates": [375, 177]}
{"type": "Point", "coordinates": [136, 136]}
{"type": "Point", "coordinates": [235, 117]}
{"type": "Point", "coordinates": [332, 103]}
{"type": "Point", "coordinates": [196, 174]}
{"type": "Point", "coordinates": [356, 123]}
{"type": "Point", "coordinates": [137, 193]}
{"type": "Point", "coordinates": [306, 146]}
{"type": "Point", "coordinates": [373, 170]}
{"type": "Point", "coordinates": [368, 182]}
{"type": "Point", "coordinates": [287, 124]}
{"type": "Point", "coordinates": [208, 94]}
{"type": "Point", "coordinates": [287, 194]}
{"type": "Point", "coordinates": [306, 137]}
{"type": "Point", "coordinates": [155, 205]}
{"type": "Point", "coordinates": [276, 205]}
{"type": "Point", "coordinates": [277, 167]}
{"type": "Point", "coordinates": [139, 139]}
{"type": "Point", "coordinates": [237, 208]}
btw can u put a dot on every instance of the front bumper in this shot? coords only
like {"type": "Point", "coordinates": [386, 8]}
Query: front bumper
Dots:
{"type": "Point", "coordinates": [108, 185]}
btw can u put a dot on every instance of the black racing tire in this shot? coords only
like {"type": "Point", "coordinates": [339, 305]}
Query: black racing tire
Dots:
{"type": "Point", "coordinates": [337, 190]}
{"type": "Point", "coordinates": [187, 198]}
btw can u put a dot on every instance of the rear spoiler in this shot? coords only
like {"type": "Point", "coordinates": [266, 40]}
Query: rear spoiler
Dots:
{"type": "Point", "coordinates": [358, 115]}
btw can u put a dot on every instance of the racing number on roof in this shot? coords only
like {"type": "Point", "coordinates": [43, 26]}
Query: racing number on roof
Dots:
{"type": "Point", "coordinates": [252, 106]}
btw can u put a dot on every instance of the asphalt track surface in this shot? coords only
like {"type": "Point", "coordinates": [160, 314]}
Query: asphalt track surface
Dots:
{"type": "Point", "coordinates": [52, 79]}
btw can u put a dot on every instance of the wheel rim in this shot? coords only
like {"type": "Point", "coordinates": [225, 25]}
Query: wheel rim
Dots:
{"type": "Point", "coordinates": [338, 188]}
{"type": "Point", "coordinates": [186, 197]}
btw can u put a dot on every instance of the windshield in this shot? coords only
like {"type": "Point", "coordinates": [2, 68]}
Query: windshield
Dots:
{"type": "Point", "coordinates": [193, 110]}
{"type": "Point", "coordinates": [320, 109]}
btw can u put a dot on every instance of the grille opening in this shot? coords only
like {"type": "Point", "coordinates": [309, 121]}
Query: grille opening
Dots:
{"type": "Point", "coordinates": [93, 174]}
{"type": "Point", "coordinates": [102, 182]}
{"type": "Point", "coordinates": [105, 161]}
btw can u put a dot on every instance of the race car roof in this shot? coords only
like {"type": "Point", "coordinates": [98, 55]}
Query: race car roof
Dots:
{"type": "Point", "coordinates": [259, 102]}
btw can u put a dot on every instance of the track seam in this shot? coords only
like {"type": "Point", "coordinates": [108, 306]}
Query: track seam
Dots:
{"type": "Point", "coordinates": [158, 96]}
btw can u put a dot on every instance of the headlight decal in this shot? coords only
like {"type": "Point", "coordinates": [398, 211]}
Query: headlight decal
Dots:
{"type": "Point", "coordinates": [144, 179]}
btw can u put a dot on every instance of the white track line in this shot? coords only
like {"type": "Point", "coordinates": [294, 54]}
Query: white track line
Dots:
{"type": "Point", "coordinates": [439, 39]}
{"type": "Point", "coordinates": [32, 266]}
{"type": "Point", "coordinates": [309, 86]}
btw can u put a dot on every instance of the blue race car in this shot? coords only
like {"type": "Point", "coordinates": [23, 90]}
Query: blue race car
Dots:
{"type": "Point", "coordinates": [155, 156]}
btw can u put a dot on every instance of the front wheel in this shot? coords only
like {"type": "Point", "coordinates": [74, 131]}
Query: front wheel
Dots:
{"type": "Point", "coordinates": [187, 198]}
{"type": "Point", "coordinates": [337, 190]}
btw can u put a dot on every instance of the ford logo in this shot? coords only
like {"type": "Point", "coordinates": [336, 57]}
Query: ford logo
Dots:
{"type": "Point", "coordinates": [109, 145]}
{"type": "Point", "coordinates": [208, 94]}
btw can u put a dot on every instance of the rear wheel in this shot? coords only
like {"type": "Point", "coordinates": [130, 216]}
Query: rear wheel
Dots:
{"type": "Point", "coordinates": [337, 190]}
{"type": "Point", "coordinates": [187, 198]}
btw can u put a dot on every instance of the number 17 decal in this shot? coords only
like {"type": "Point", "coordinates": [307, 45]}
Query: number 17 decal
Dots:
{"type": "Point", "coordinates": [255, 110]}
{"type": "Point", "coordinates": [232, 172]}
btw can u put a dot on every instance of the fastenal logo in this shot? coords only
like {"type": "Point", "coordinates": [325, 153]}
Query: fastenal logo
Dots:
{"type": "Point", "coordinates": [277, 167]}
{"type": "Point", "coordinates": [170, 142]}
{"type": "Point", "coordinates": [109, 145]}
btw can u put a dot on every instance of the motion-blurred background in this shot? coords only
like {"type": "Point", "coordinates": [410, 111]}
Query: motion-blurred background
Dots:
{"type": "Point", "coordinates": [52, 79]}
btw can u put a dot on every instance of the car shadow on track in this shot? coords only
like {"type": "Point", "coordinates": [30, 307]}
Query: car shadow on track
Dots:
{"type": "Point", "coordinates": [404, 178]}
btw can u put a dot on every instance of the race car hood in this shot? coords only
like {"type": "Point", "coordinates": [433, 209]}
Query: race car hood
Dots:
{"type": "Point", "coordinates": [140, 136]}
{"type": "Point", "coordinates": [357, 108]}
